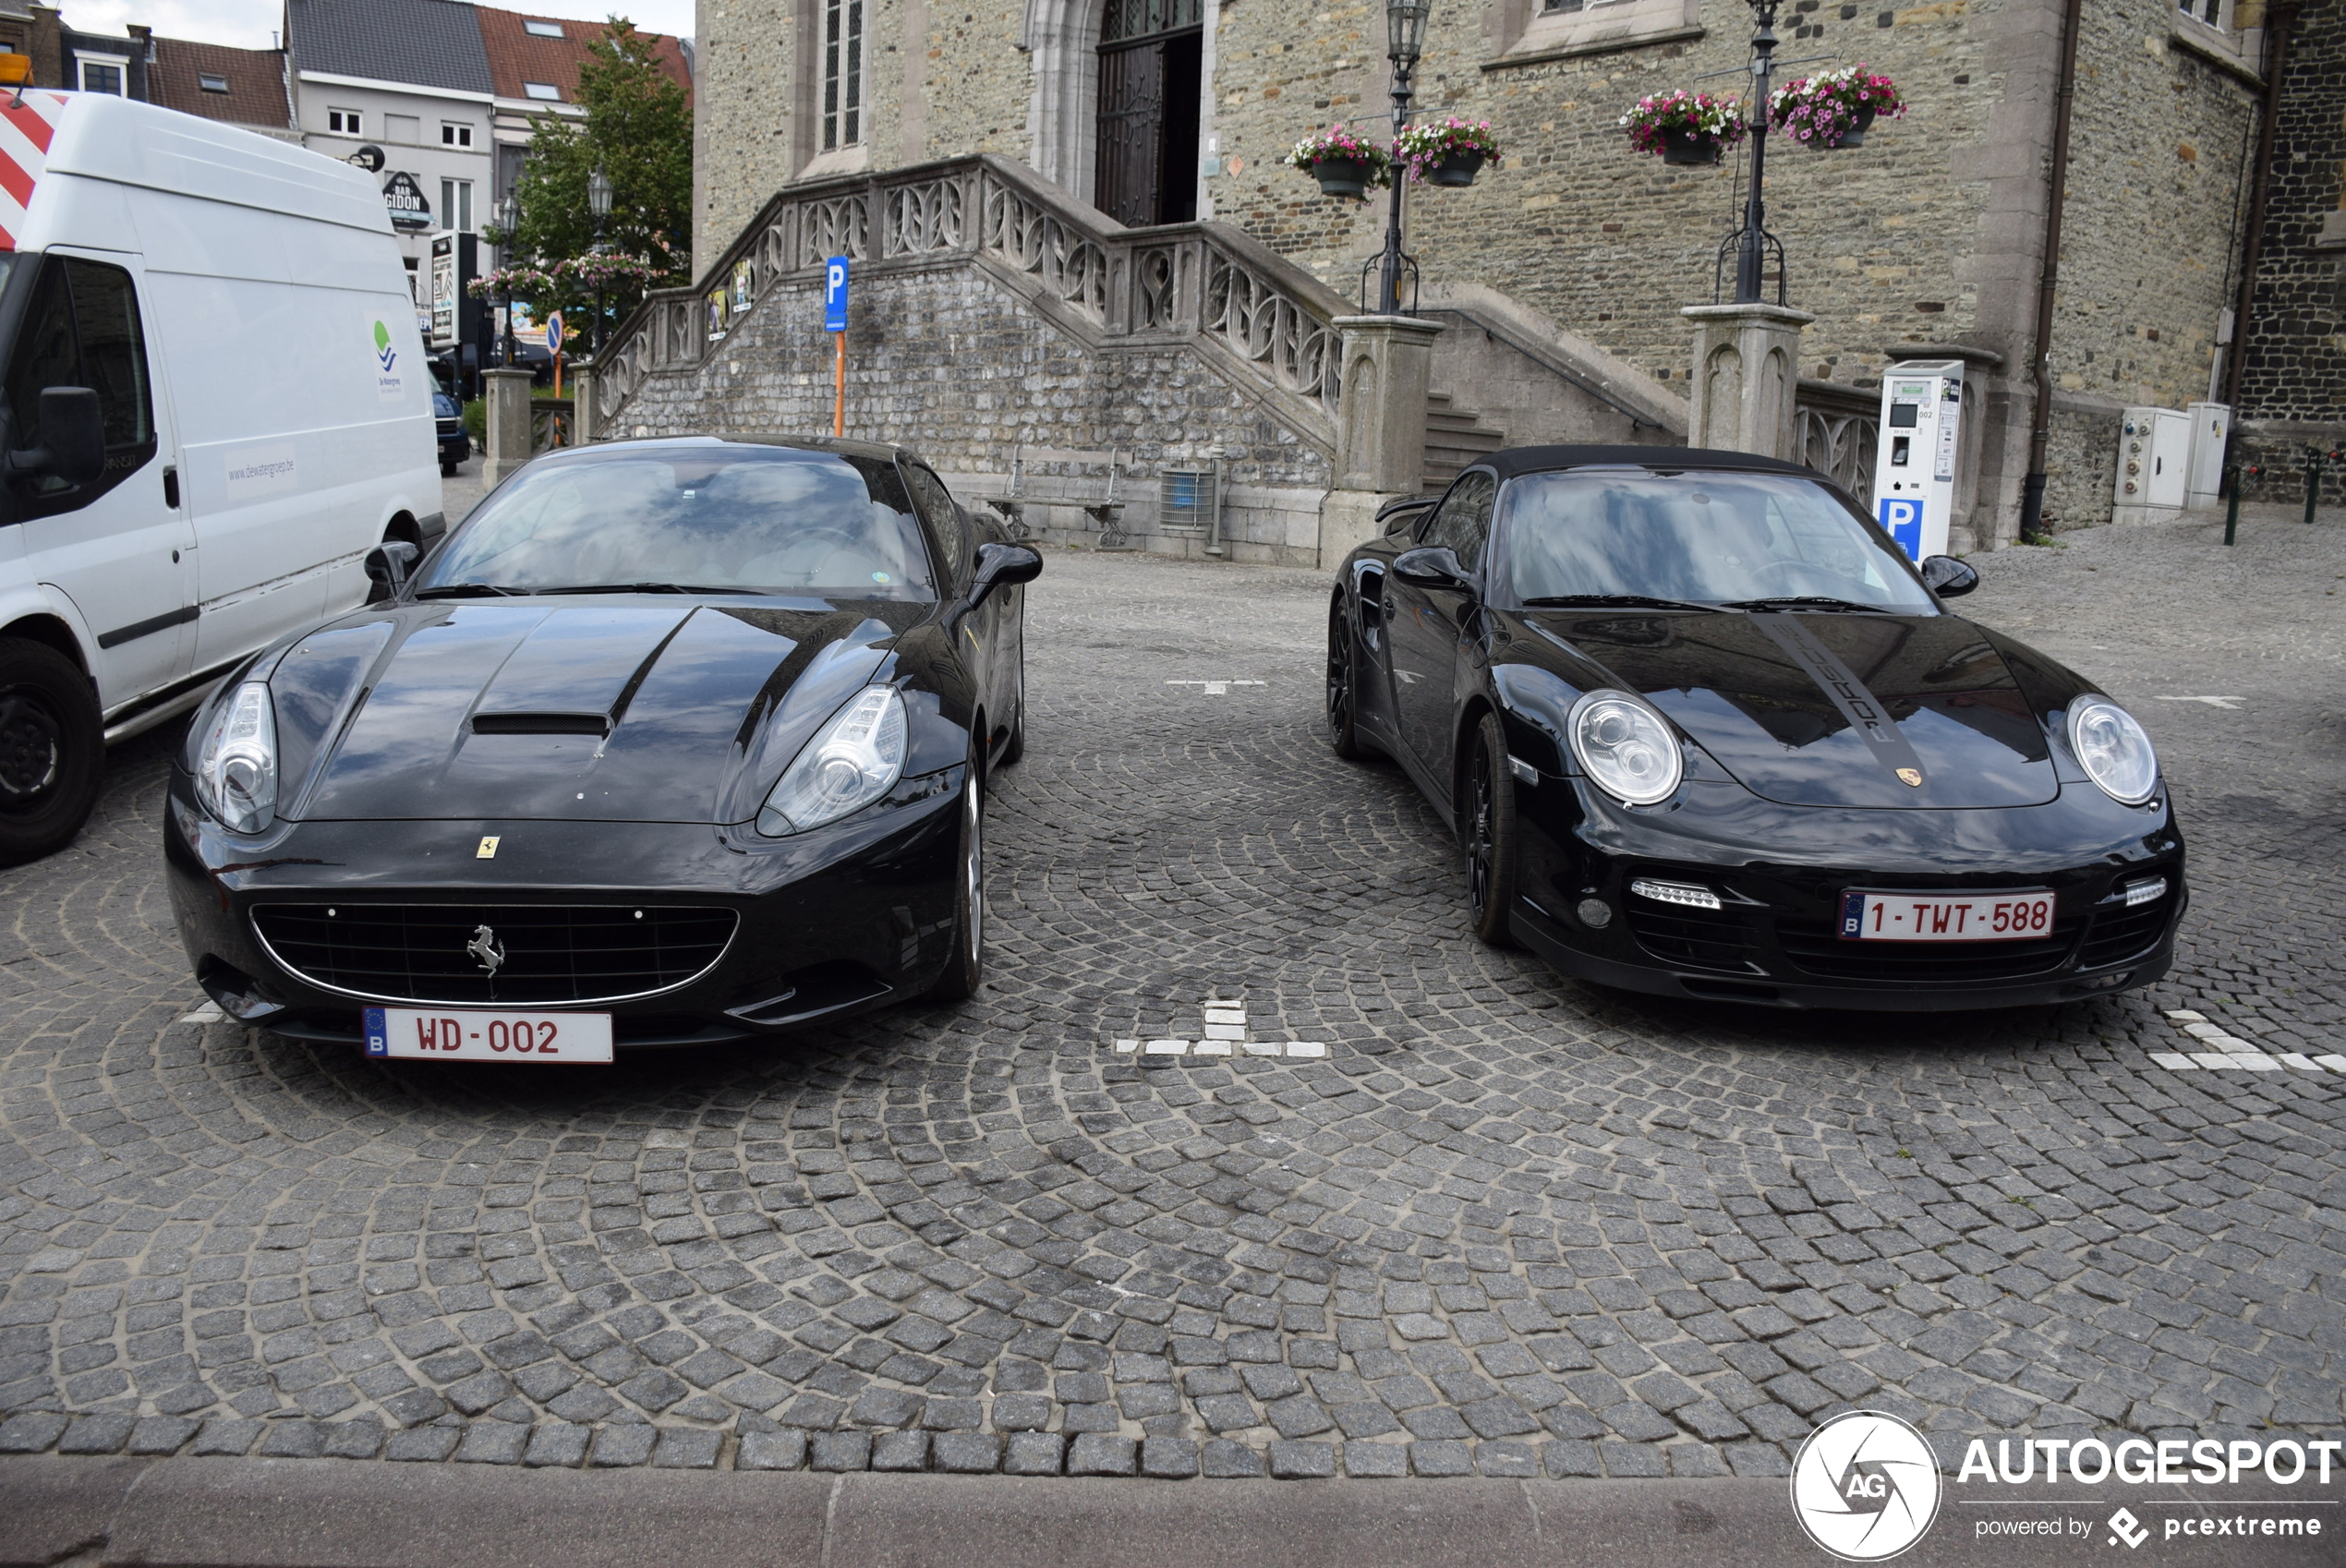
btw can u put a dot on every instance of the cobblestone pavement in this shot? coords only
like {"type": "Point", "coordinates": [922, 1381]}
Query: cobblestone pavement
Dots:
{"type": "Point", "coordinates": [1510, 1224]}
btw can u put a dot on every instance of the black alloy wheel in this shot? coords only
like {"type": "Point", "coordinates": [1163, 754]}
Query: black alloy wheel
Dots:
{"type": "Point", "coordinates": [964, 970]}
{"type": "Point", "coordinates": [1343, 738]}
{"type": "Point", "coordinates": [1489, 833]}
{"type": "Point", "coordinates": [52, 750]}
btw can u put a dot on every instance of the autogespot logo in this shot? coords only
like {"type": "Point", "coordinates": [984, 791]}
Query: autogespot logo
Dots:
{"type": "Point", "coordinates": [1865, 1486]}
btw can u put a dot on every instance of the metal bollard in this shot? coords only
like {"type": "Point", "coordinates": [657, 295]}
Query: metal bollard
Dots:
{"type": "Point", "coordinates": [2231, 513]}
{"type": "Point", "coordinates": [2312, 483]}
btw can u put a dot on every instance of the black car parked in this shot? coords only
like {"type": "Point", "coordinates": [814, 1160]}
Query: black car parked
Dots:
{"type": "Point", "coordinates": [1705, 731]}
{"type": "Point", "coordinates": [671, 741]}
{"type": "Point", "coordinates": [455, 441]}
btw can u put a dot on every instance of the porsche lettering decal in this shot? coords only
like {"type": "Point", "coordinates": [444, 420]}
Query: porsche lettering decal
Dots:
{"type": "Point", "coordinates": [1865, 713]}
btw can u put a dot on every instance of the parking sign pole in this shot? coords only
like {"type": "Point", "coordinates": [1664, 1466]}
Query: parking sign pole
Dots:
{"type": "Point", "coordinates": [835, 322]}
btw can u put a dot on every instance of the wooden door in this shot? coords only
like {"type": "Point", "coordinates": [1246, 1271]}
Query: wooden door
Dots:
{"type": "Point", "coordinates": [1132, 130]}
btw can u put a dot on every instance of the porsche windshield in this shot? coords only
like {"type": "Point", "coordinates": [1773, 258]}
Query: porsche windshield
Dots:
{"type": "Point", "coordinates": [771, 520]}
{"type": "Point", "coordinates": [1710, 537]}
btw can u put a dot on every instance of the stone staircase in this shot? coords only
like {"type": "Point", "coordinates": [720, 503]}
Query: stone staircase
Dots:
{"type": "Point", "coordinates": [1454, 439]}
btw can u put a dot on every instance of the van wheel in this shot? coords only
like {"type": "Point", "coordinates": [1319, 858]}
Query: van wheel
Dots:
{"type": "Point", "coordinates": [52, 747]}
{"type": "Point", "coordinates": [447, 470]}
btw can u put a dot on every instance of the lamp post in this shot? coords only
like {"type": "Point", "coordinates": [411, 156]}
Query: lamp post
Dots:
{"type": "Point", "coordinates": [1751, 250]}
{"type": "Point", "coordinates": [598, 203]}
{"type": "Point", "coordinates": [1404, 36]}
{"type": "Point", "coordinates": [508, 218]}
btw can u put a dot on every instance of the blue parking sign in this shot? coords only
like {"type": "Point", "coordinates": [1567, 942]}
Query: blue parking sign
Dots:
{"type": "Point", "coordinates": [1902, 520]}
{"type": "Point", "coordinates": [835, 295]}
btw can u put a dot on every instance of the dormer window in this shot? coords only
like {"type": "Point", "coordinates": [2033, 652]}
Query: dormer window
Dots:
{"type": "Point", "coordinates": [211, 81]}
{"type": "Point", "coordinates": [536, 29]}
{"type": "Point", "coordinates": [544, 91]}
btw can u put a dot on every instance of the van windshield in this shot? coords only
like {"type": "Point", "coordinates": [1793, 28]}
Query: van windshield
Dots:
{"type": "Point", "coordinates": [720, 518]}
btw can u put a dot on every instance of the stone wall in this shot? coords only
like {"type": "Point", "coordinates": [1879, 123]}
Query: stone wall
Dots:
{"type": "Point", "coordinates": [946, 357]}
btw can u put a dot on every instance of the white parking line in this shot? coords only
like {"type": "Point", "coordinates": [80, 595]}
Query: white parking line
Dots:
{"type": "Point", "coordinates": [2229, 1053]}
{"type": "Point", "coordinates": [209, 1013]}
{"type": "Point", "coordinates": [1225, 1035]}
{"type": "Point", "coordinates": [1216, 688]}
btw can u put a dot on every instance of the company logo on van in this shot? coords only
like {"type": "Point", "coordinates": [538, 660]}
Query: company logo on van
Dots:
{"type": "Point", "coordinates": [389, 386]}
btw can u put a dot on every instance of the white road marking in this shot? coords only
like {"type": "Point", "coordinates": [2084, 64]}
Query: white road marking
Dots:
{"type": "Point", "coordinates": [1167, 1048]}
{"type": "Point", "coordinates": [2232, 1053]}
{"type": "Point", "coordinates": [1127, 1046]}
{"type": "Point", "coordinates": [209, 1013]}
{"type": "Point", "coordinates": [1217, 688]}
{"type": "Point", "coordinates": [2212, 702]}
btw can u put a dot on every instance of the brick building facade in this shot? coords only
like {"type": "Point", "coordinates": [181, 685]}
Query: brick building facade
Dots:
{"type": "Point", "coordinates": [1929, 236]}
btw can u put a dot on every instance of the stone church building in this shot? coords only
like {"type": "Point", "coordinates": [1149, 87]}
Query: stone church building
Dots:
{"type": "Point", "coordinates": [1086, 285]}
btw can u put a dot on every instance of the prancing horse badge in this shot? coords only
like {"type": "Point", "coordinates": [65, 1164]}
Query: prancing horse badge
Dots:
{"type": "Point", "coordinates": [1910, 777]}
{"type": "Point", "coordinates": [488, 850]}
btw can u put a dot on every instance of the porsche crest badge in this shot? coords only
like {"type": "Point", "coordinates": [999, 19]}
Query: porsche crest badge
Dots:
{"type": "Point", "coordinates": [1911, 778]}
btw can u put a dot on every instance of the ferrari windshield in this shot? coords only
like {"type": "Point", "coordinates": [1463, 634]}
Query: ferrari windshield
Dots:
{"type": "Point", "coordinates": [1710, 537]}
{"type": "Point", "coordinates": [710, 517]}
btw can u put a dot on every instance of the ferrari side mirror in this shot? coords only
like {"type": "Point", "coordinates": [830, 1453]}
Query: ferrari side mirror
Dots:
{"type": "Point", "coordinates": [1431, 566]}
{"type": "Point", "coordinates": [387, 567]}
{"type": "Point", "coordinates": [999, 565]}
{"type": "Point", "coordinates": [1948, 577]}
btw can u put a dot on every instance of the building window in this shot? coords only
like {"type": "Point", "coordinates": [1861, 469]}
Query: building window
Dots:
{"type": "Point", "coordinates": [2209, 11]}
{"type": "Point", "coordinates": [843, 73]}
{"type": "Point", "coordinates": [536, 29]}
{"type": "Point", "coordinates": [96, 77]}
{"type": "Point", "coordinates": [544, 91]}
{"type": "Point", "coordinates": [456, 204]}
{"type": "Point", "coordinates": [342, 122]}
{"type": "Point", "coordinates": [453, 135]}
{"type": "Point", "coordinates": [210, 82]}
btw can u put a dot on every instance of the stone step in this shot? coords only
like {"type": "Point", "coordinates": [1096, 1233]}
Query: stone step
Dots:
{"type": "Point", "coordinates": [1456, 437]}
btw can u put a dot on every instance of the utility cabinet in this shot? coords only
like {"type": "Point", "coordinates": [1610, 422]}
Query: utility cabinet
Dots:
{"type": "Point", "coordinates": [2154, 465]}
{"type": "Point", "coordinates": [2211, 429]}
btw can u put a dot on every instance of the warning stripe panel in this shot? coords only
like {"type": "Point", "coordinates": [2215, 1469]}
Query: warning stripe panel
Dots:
{"type": "Point", "coordinates": [26, 126]}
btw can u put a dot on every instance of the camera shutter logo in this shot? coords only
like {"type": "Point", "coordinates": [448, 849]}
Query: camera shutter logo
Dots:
{"type": "Point", "coordinates": [1865, 1486]}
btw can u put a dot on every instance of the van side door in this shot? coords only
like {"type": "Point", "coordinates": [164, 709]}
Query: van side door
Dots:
{"type": "Point", "coordinates": [118, 548]}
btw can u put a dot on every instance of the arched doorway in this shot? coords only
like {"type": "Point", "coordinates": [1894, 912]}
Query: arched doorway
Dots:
{"type": "Point", "coordinates": [1152, 56]}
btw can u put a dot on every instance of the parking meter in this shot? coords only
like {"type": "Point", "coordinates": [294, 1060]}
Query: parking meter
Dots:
{"type": "Point", "coordinates": [1914, 481]}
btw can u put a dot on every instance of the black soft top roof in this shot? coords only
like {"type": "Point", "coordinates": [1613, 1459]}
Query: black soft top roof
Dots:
{"type": "Point", "coordinates": [1521, 460]}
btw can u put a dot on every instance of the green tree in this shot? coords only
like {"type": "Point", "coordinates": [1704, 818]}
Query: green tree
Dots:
{"type": "Point", "coordinates": [638, 129]}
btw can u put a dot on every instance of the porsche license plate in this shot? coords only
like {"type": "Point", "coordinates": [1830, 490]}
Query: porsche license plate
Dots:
{"type": "Point", "coordinates": [1939, 917]}
{"type": "Point", "coordinates": [459, 1035]}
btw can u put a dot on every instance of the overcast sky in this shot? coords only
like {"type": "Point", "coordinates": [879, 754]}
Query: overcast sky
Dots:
{"type": "Point", "coordinates": [247, 24]}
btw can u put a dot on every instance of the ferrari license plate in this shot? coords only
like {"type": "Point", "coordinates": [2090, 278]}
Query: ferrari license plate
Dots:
{"type": "Point", "coordinates": [1939, 917]}
{"type": "Point", "coordinates": [454, 1035]}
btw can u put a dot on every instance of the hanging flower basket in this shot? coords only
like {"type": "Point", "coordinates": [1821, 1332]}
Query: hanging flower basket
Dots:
{"type": "Point", "coordinates": [1446, 152]}
{"type": "Point", "coordinates": [1688, 129]}
{"type": "Point", "coordinates": [607, 272]}
{"type": "Point", "coordinates": [1344, 163]}
{"type": "Point", "coordinates": [529, 283]}
{"type": "Point", "coordinates": [1836, 109]}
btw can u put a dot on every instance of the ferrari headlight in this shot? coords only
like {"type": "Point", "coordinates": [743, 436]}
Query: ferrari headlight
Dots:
{"type": "Point", "coordinates": [236, 773]}
{"type": "Point", "coordinates": [852, 760]}
{"type": "Point", "coordinates": [1626, 747]}
{"type": "Point", "coordinates": [2113, 750]}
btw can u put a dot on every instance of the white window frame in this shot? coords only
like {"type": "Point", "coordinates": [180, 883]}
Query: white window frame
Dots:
{"type": "Point", "coordinates": [455, 133]}
{"type": "Point", "coordinates": [846, 41]}
{"type": "Point", "coordinates": [345, 122]}
{"type": "Point", "coordinates": [536, 27]}
{"type": "Point", "coordinates": [456, 205]}
{"type": "Point", "coordinates": [1596, 26]}
{"type": "Point", "coordinates": [542, 92]}
{"type": "Point", "coordinates": [119, 64]}
{"type": "Point", "coordinates": [2197, 11]}
{"type": "Point", "coordinates": [205, 78]}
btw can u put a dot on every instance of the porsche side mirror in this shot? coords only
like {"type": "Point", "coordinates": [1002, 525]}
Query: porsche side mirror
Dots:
{"type": "Point", "coordinates": [73, 438]}
{"type": "Point", "coordinates": [1948, 577]}
{"type": "Point", "coordinates": [388, 565]}
{"type": "Point", "coordinates": [999, 565]}
{"type": "Point", "coordinates": [1431, 566]}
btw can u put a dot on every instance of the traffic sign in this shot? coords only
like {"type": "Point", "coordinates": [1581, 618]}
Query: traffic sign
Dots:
{"type": "Point", "coordinates": [835, 295]}
{"type": "Point", "coordinates": [554, 332]}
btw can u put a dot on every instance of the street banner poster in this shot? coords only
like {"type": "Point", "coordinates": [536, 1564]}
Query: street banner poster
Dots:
{"type": "Point", "coordinates": [740, 287]}
{"type": "Point", "coordinates": [719, 303]}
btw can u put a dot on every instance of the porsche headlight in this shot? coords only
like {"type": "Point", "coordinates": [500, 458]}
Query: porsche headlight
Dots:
{"type": "Point", "coordinates": [1626, 747]}
{"type": "Point", "coordinates": [852, 760]}
{"type": "Point", "coordinates": [2113, 750]}
{"type": "Point", "coordinates": [236, 773]}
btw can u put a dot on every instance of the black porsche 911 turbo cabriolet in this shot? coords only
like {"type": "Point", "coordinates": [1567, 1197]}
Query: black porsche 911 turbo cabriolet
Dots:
{"type": "Point", "coordinates": [1705, 731]}
{"type": "Point", "coordinates": [669, 743]}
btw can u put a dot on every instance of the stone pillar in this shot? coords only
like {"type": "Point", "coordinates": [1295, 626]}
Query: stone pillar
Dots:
{"type": "Point", "coordinates": [1747, 378]}
{"type": "Point", "coordinates": [583, 423]}
{"type": "Point", "coordinates": [506, 393]}
{"type": "Point", "coordinates": [1386, 363]}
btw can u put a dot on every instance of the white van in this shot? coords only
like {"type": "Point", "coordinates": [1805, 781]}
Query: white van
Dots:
{"type": "Point", "coordinates": [212, 404]}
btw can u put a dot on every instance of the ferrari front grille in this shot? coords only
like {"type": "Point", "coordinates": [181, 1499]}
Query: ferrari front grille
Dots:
{"type": "Point", "coordinates": [494, 954]}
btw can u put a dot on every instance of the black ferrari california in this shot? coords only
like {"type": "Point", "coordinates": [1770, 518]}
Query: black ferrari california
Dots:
{"type": "Point", "coordinates": [669, 742]}
{"type": "Point", "coordinates": [1705, 731]}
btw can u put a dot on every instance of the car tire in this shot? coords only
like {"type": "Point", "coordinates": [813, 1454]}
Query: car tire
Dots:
{"type": "Point", "coordinates": [1343, 687]}
{"type": "Point", "coordinates": [1015, 747]}
{"type": "Point", "coordinates": [964, 972]}
{"type": "Point", "coordinates": [447, 470]}
{"type": "Point", "coordinates": [52, 749]}
{"type": "Point", "coordinates": [1487, 828]}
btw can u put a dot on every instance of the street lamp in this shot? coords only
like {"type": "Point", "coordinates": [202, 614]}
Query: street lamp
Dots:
{"type": "Point", "coordinates": [508, 218]}
{"type": "Point", "coordinates": [1404, 36]}
{"type": "Point", "coordinates": [1753, 240]}
{"type": "Point", "coordinates": [598, 203]}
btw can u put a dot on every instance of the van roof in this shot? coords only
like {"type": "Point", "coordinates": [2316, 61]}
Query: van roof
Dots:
{"type": "Point", "coordinates": [98, 136]}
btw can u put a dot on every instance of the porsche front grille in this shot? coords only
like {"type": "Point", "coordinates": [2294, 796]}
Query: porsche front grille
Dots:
{"type": "Point", "coordinates": [543, 953]}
